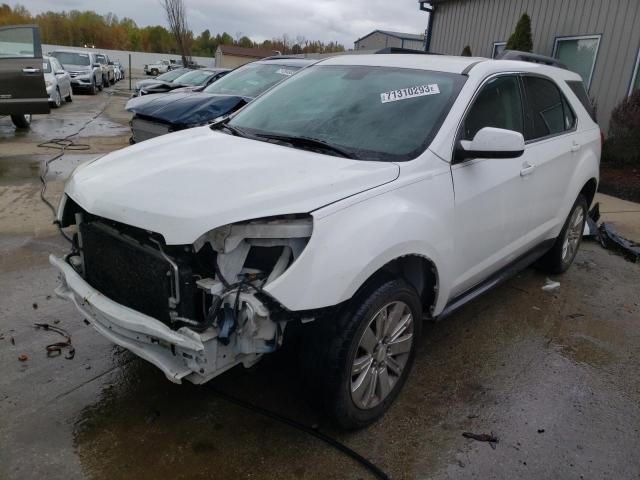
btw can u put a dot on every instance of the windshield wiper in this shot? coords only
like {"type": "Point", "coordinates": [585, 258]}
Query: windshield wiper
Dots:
{"type": "Point", "coordinates": [238, 132]}
{"type": "Point", "coordinates": [314, 143]}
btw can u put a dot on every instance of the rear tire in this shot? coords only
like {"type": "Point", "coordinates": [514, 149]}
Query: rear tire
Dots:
{"type": "Point", "coordinates": [564, 250]}
{"type": "Point", "coordinates": [21, 121]}
{"type": "Point", "coordinates": [360, 360]}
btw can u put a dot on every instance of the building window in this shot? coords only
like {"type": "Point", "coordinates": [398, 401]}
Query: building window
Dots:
{"type": "Point", "coordinates": [635, 79]}
{"type": "Point", "coordinates": [578, 54]}
{"type": "Point", "coordinates": [498, 48]}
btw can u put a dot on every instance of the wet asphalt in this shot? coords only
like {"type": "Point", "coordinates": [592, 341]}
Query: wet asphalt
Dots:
{"type": "Point", "coordinates": [554, 375]}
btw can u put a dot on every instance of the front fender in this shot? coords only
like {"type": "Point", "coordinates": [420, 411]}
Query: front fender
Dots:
{"type": "Point", "coordinates": [350, 244]}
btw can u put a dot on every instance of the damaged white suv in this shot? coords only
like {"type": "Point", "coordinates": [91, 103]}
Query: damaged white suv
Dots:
{"type": "Point", "coordinates": [347, 204]}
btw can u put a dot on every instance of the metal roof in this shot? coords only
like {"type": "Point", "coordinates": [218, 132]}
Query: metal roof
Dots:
{"type": "Point", "coordinates": [400, 35]}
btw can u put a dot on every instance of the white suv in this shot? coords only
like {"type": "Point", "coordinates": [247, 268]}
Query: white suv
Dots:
{"type": "Point", "coordinates": [338, 210]}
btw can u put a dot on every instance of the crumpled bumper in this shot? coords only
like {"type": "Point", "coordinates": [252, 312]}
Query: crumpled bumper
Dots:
{"type": "Point", "coordinates": [179, 354]}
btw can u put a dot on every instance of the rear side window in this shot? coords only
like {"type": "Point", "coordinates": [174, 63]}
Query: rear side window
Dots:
{"type": "Point", "coordinates": [548, 112]}
{"type": "Point", "coordinates": [497, 105]}
{"type": "Point", "coordinates": [577, 86]}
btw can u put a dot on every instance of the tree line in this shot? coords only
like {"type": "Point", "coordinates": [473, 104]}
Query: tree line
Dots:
{"type": "Point", "coordinates": [79, 28]}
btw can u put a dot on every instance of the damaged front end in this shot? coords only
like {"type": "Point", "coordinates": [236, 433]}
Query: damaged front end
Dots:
{"type": "Point", "coordinates": [194, 310]}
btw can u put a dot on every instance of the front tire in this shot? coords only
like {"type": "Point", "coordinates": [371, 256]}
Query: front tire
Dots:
{"type": "Point", "coordinates": [564, 250]}
{"type": "Point", "coordinates": [364, 357]}
{"type": "Point", "coordinates": [21, 121]}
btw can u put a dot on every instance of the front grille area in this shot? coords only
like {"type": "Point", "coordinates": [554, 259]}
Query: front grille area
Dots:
{"type": "Point", "coordinates": [145, 129]}
{"type": "Point", "coordinates": [134, 273]}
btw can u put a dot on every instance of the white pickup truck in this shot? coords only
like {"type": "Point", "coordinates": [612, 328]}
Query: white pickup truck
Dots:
{"type": "Point", "coordinates": [157, 68]}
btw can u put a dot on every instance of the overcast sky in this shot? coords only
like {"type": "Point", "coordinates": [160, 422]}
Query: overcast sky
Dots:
{"type": "Point", "coordinates": [340, 20]}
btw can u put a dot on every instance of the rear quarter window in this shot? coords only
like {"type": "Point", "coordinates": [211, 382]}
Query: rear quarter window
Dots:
{"type": "Point", "coordinates": [547, 110]}
{"type": "Point", "coordinates": [577, 87]}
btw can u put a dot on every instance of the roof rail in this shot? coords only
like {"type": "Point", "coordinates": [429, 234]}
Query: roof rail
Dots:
{"type": "Point", "coordinates": [531, 57]}
{"type": "Point", "coordinates": [280, 57]}
{"type": "Point", "coordinates": [403, 50]}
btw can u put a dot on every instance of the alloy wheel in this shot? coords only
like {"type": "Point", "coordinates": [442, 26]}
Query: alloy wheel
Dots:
{"type": "Point", "coordinates": [573, 235]}
{"type": "Point", "coordinates": [382, 354]}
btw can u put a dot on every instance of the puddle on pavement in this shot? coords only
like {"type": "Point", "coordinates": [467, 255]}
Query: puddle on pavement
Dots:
{"type": "Point", "coordinates": [23, 168]}
{"type": "Point", "coordinates": [65, 121]}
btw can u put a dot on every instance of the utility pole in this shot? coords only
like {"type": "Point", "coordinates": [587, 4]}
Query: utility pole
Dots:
{"type": "Point", "coordinates": [426, 6]}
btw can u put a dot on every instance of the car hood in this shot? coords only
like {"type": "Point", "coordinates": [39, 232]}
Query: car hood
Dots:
{"type": "Point", "coordinates": [186, 108]}
{"type": "Point", "coordinates": [77, 68]}
{"type": "Point", "coordinates": [184, 184]}
{"type": "Point", "coordinates": [149, 82]}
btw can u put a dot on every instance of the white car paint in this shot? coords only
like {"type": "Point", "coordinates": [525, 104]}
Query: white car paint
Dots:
{"type": "Point", "coordinates": [468, 219]}
{"type": "Point", "coordinates": [213, 168]}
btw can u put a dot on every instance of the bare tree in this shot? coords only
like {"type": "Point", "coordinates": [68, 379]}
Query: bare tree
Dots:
{"type": "Point", "coordinates": [177, 17]}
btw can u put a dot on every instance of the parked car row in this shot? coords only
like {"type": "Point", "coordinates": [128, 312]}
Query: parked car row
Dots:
{"type": "Point", "coordinates": [183, 79]}
{"type": "Point", "coordinates": [185, 107]}
{"type": "Point", "coordinates": [89, 71]}
{"type": "Point", "coordinates": [331, 207]}
{"type": "Point", "coordinates": [31, 83]}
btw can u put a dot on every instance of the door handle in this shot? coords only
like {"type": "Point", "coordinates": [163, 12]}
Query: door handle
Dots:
{"type": "Point", "coordinates": [527, 169]}
{"type": "Point", "coordinates": [30, 70]}
{"type": "Point", "coordinates": [575, 147]}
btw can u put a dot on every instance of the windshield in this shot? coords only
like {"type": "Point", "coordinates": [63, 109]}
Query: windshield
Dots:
{"type": "Point", "coordinates": [374, 113]}
{"type": "Point", "coordinates": [72, 58]}
{"type": "Point", "coordinates": [171, 75]}
{"type": "Point", "coordinates": [251, 80]}
{"type": "Point", "coordinates": [194, 77]}
{"type": "Point", "coordinates": [101, 59]}
{"type": "Point", "coordinates": [46, 66]}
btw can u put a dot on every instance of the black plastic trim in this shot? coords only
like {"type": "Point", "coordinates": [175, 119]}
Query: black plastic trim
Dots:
{"type": "Point", "coordinates": [497, 278]}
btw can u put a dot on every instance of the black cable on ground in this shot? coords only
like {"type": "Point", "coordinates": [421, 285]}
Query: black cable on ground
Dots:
{"type": "Point", "coordinates": [64, 144]}
{"type": "Point", "coordinates": [332, 442]}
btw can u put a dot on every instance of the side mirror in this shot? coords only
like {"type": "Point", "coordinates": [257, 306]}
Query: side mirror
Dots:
{"type": "Point", "coordinates": [60, 72]}
{"type": "Point", "coordinates": [491, 142]}
{"type": "Point", "coordinates": [97, 65]}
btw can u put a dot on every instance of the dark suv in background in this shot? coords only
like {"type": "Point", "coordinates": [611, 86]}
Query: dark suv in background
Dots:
{"type": "Point", "coordinates": [22, 87]}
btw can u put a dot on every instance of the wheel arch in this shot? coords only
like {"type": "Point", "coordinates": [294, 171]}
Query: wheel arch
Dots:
{"type": "Point", "coordinates": [417, 270]}
{"type": "Point", "coordinates": [589, 190]}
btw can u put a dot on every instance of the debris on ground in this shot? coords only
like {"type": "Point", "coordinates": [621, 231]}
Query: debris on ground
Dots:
{"type": "Point", "coordinates": [23, 357]}
{"type": "Point", "coordinates": [591, 225]}
{"type": "Point", "coordinates": [55, 349]}
{"type": "Point", "coordinates": [541, 430]}
{"type": "Point", "coordinates": [35, 306]}
{"type": "Point", "coordinates": [550, 285]}
{"type": "Point", "coordinates": [12, 340]}
{"type": "Point", "coordinates": [491, 438]}
{"type": "Point", "coordinates": [575, 315]}
{"type": "Point", "coordinates": [611, 240]}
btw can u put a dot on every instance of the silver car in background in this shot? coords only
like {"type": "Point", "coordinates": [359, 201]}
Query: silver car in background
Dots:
{"type": "Point", "coordinates": [57, 81]}
{"type": "Point", "coordinates": [85, 71]}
